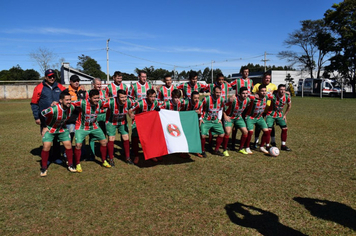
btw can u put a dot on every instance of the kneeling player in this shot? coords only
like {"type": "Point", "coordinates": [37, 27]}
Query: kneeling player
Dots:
{"type": "Point", "coordinates": [88, 125]}
{"type": "Point", "coordinates": [275, 114]}
{"type": "Point", "coordinates": [116, 119]}
{"type": "Point", "coordinates": [213, 108]}
{"type": "Point", "coordinates": [232, 116]}
{"type": "Point", "coordinates": [56, 116]}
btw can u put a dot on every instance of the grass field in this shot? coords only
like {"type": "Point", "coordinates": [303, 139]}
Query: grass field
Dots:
{"type": "Point", "coordinates": [309, 191]}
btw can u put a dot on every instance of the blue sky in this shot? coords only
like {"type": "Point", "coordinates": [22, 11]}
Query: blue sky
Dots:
{"type": "Point", "coordinates": [187, 34]}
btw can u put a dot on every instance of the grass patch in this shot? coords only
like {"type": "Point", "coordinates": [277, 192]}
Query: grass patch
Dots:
{"type": "Point", "coordinates": [310, 190]}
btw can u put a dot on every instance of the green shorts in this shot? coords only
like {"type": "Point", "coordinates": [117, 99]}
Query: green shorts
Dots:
{"type": "Point", "coordinates": [279, 121]}
{"type": "Point", "coordinates": [111, 129]}
{"type": "Point", "coordinates": [215, 127]}
{"type": "Point", "coordinates": [260, 122]}
{"type": "Point", "coordinates": [101, 117]}
{"type": "Point", "coordinates": [237, 122]}
{"type": "Point", "coordinates": [48, 137]}
{"type": "Point", "coordinates": [80, 134]}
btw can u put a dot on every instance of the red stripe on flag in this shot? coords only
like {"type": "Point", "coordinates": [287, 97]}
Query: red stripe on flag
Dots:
{"type": "Point", "coordinates": [151, 135]}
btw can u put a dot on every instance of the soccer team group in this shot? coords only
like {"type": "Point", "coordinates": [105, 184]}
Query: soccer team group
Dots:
{"type": "Point", "coordinates": [67, 113]}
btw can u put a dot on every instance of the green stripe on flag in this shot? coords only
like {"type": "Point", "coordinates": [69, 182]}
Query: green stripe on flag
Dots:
{"type": "Point", "coordinates": [190, 125]}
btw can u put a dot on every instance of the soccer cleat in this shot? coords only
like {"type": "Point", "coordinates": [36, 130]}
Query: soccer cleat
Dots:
{"type": "Point", "coordinates": [285, 148]}
{"type": "Point", "coordinates": [273, 144]}
{"type": "Point", "coordinates": [129, 161]}
{"type": "Point", "coordinates": [106, 164]}
{"type": "Point", "coordinates": [243, 151]}
{"type": "Point", "coordinates": [218, 153]}
{"type": "Point", "coordinates": [248, 150]}
{"type": "Point", "coordinates": [72, 169]}
{"type": "Point", "coordinates": [263, 149]}
{"type": "Point", "coordinates": [79, 168]}
{"type": "Point", "coordinates": [111, 162]}
{"type": "Point", "coordinates": [204, 154]}
{"type": "Point", "coordinates": [226, 153]}
{"type": "Point", "coordinates": [43, 172]}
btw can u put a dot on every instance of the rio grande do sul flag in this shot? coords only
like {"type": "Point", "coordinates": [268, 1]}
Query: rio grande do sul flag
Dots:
{"type": "Point", "coordinates": [164, 132]}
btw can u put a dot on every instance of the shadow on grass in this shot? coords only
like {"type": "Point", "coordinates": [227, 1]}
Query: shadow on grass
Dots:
{"type": "Point", "coordinates": [265, 222]}
{"type": "Point", "coordinates": [172, 159]}
{"type": "Point", "coordinates": [328, 210]}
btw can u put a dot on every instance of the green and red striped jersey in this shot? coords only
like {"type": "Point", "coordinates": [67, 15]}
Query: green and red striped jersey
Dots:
{"type": "Point", "coordinates": [88, 113]}
{"type": "Point", "coordinates": [111, 90]}
{"type": "Point", "coordinates": [116, 113]}
{"type": "Point", "coordinates": [102, 96]}
{"type": "Point", "coordinates": [238, 83]}
{"type": "Point", "coordinates": [188, 88]}
{"type": "Point", "coordinates": [236, 107]}
{"type": "Point", "coordinates": [225, 88]}
{"type": "Point", "coordinates": [56, 118]}
{"type": "Point", "coordinates": [188, 105]}
{"type": "Point", "coordinates": [169, 105]}
{"type": "Point", "coordinates": [212, 107]}
{"type": "Point", "coordinates": [277, 105]}
{"type": "Point", "coordinates": [164, 93]}
{"type": "Point", "coordinates": [139, 91]}
{"type": "Point", "coordinates": [257, 106]}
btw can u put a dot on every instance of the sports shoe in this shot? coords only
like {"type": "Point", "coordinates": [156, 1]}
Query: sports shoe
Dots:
{"type": "Point", "coordinates": [285, 148]}
{"type": "Point", "coordinates": [263, 149]}
{"type": "Point", "coordinates": [106, 164]}
{"type": "Point", "coordinates": [43, 172]}
{"type": "Point", "coordinates": [274, 144]}
{"type": "Point", "coordinates": [111, 162]}
{"type": "Point", "coordinates": [226, 153]}
{"type": "Point", "coordinates": [243, 151]}
{"type": "Point", "coordinates": [218, 153]}
{"type": "Point", "coordinates": [72, 169]}
{"type": "Point", "coordinates": [129, 161]}
{"type": "Point", "coordinates": [79, 168]}
{"type": "Point", "coordinates": [204, 154]}
{"type": "Point", "coordinates": [248, 150]}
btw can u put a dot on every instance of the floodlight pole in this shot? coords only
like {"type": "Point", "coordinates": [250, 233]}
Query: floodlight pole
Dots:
{"type": "Point", "coordinates": [107, 60]}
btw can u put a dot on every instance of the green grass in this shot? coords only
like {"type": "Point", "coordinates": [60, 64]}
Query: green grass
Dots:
{"type": "Point", "coordinates": [311, 190]}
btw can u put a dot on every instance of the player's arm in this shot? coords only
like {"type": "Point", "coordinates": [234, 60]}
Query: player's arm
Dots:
{"type": "Point", "coordinates": [289, 106]}
{"type": "Point", "coordinates": [34, 104]}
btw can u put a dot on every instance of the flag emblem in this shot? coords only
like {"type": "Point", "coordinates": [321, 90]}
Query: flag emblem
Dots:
{"type": "Point", "coordinates": [173, 130]}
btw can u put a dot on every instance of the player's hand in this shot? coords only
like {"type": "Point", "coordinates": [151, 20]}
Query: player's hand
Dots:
{"type": "Point", "coordinates": [38, 122]}
{"type": "Point", "coordinates": [201, 122]}
{"type": "Point", "coordinates": [219, 121]}
{"type": "Point", "coordinates": [285, 118]}
{"type": "Point", "coordinates": [82, 88]}
{"type": "Point", "coordinates": [227, 118]}
{"type": "Point", "coordinates": [198, 112]}
{"type": "Point", "coordinates": [257, 96]}
{"type": "Point", "coordinates": [54, 103]}
{"type": "Point", "coordinates": [44, 130]}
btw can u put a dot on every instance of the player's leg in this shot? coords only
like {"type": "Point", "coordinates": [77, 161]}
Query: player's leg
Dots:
{"type": "Point", "coordinates": [233, 138]}
{"type": "Point", "coordinates": [99, 134]}
{"type": "Point", "coordinates": [218, 129]}
{"type": "Point", "coordinates": [228, 130]}
{"type": "Point", "coordinates": [80, 135]}
{"type": "Point", "coordinates": [204, 130]}
{"type": "Point", "coordinates": [66, 140]}
{"type": "Point", "coordinates": [261, 123]}
{"type": "Point", "coordinates": [282, 123]}
{"type": "Point", "coordinates": [44, 158]}
{"type": "Point", "coordinates": [111, 131]}
{"type": "Point", "coordinates": [273, 136]}
{"type": "Point", "coordinates": [124, 131]}
{"type": "Point", "coordinates": [241, 125]}
{"type": "Point", "coordinates": [250, 123]}
{"type": "Point", "coordinates": [134, 142]}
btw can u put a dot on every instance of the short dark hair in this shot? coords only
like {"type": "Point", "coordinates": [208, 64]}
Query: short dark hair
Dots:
{"type": "Point", "coordinates": [244, 68]}
{"type": "Point", "coordinates": [281, 85]}
{"type": "Point", "coordinates": [176, 93]}
{"type": "Point", "coordinates": [166, 76]}
{"type": "Point", "coordinates": [266, 73]}
{"type": "Point", "coordinates": [192, 74]}
{"type": "Point", "coordinates": [93, 92]}
{"type": "Point", "coordinates": [194, 93]}
{"type": "Point", "coordinates": [216, 87]}
{"type": "Point", "coordinates": [220, 75]}
{"type": "Point", "coordinates": [243, 89]}
{"type": "Point", "coordinates": [121, 91]}
{"type": "Point", "coordinates": [262, 86]}
{"type": "Point", "coordinates": [63, 94]}
{"type": "Point", "coordinates": [150, 92]}
{"type": "Point", "coordinates": [117, 73]}
{"type": "Point", "coordinates": [140, 72]}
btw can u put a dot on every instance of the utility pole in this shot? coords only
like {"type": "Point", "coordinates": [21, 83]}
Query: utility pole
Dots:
{"type": "Point", "coordinates": [107, 60]}
{"type": "Point", "coordinates": [212, 71]}
{"type": "Point", "coordinates": [265, 60]}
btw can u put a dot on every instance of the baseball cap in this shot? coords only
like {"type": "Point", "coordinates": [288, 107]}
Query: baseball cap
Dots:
{"type": "Point", "coordinates": [74, 78]}
{"type": "Point", "coordinates": [49, 72]}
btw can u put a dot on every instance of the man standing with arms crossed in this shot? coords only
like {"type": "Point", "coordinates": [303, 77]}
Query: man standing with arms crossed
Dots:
{"type": "Point", "coordinates": [46, 94]}
{"type": "Point", "coordinates": [55, 118]}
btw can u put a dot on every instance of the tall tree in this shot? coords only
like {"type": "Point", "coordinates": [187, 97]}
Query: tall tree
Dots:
{"type": "Point", "coordinates": [90, 67]}
{"type": "Point", "coordinates": [342, 20]}
{"type": "Point", "coordinates": [313, 38]}
{"type": "Point", "coordinates": [43, 57]}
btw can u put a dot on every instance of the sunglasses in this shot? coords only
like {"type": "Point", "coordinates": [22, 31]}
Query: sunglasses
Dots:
{"type": "Point", "coordinates": [52, 77]}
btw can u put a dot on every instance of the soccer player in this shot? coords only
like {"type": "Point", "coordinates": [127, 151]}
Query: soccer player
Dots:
{"type": "Point", "coordinates": [266, 80]}
{"type": "Point", "coordinates": [192, 85]}
{"type": "Point", "coordinates": [275, 114]}
{"type": "Point", "coordinates": [193, 103]}
{"type": "Point", "coordinates": [233, 116]}
{"type": "Point", "coordinates": [165, 91]}
{"type": "Point", "coordinates": [116, 119]}
{"type": "Point", "coordinates": [46, 94]}
{"type": "Point", "coordinates": [139, 89]}
{"type": "Point", "coordinates": [254, 117]}
{"type": "Point", "coordinates": [173, 104]}
{"type": "Point", "coordinates": [111, 89]}
{"type": "Point", "coordinates": [213, 108]}
{"type": "Point", "coordinates": [87, 125]}
{"type": "Point", "coordinates": [55, 118]}
{"type": "Point", "coordinates": [242, 82]}
{"type": "Point", "coordinates": [225, 87]}
{"type": "Point", "coordinates": [147, 104]}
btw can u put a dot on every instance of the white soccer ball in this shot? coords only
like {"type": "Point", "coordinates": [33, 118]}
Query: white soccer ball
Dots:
{"type": "Point", "coordinates": [274, 151]}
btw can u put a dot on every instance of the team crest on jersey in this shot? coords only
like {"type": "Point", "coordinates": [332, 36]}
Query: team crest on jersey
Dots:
{"type": "Point", "coordinates": [173, 130]}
